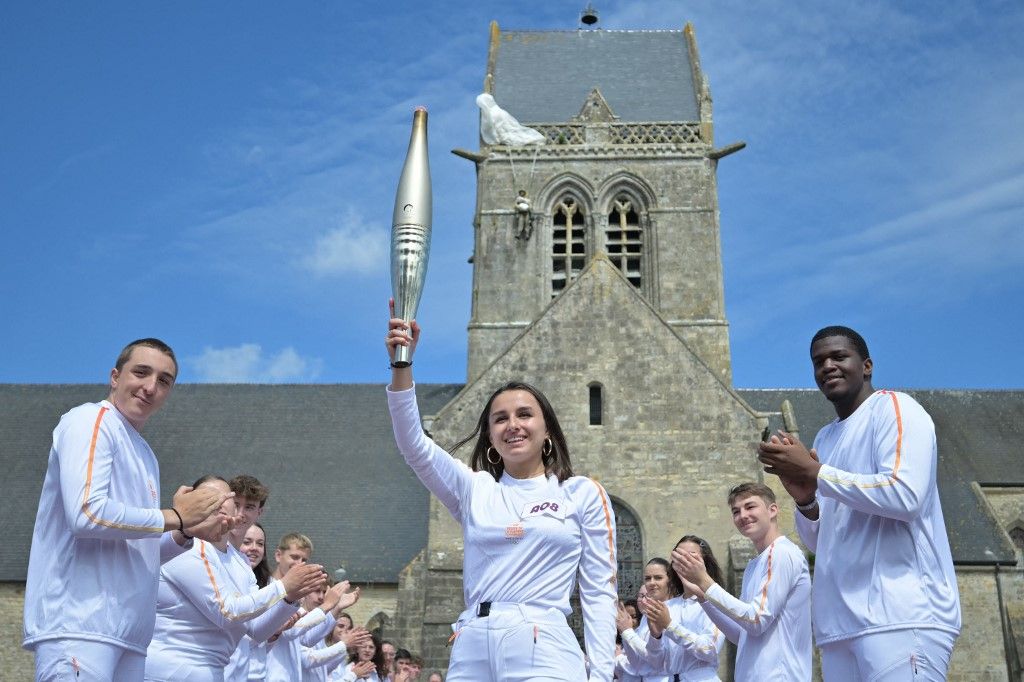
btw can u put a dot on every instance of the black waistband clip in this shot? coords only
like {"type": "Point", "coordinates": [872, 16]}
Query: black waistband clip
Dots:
{"type": "Point", "coordinates": [483, 609]}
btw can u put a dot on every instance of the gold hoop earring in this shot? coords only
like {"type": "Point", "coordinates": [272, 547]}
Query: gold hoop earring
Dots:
{"type": "Point", "coordinates": [494, 462]}
{"type": "Point", "coordinates": [550, 446]}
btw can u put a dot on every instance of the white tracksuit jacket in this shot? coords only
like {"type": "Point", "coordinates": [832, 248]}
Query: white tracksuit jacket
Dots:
{"type": "Point", "coordinates": [520, 548]}
{"type": "Point", "coordinates": [207, 601]}
{"type": "Point", "coordinates": [99, 535]}
{"type": "Point", "coordinates": [882, 554]}
{"type": "Point", "coordinates": [771, 621]}
{"type": "Point", "coordinates": [690, 644]}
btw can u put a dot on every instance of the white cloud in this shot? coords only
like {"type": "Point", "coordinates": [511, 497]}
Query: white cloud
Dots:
{"type": "Point", "coordinates": [248, 364]}
{"type": "Point", "coordinates": [353, 248]}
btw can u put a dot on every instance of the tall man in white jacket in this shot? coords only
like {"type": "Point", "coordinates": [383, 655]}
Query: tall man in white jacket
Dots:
{"type": "Point", "coordinates": [100, 534]}
{"type": "Point", "coordinates": [886, 604]}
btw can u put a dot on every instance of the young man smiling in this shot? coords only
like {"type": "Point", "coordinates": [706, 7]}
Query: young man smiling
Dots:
{"type": "Point", "coordinates": [770, 623]}
{"type": "Point", "coordinates": [100, 535]}
{"type": "Point", "coordinates": [885, 595]}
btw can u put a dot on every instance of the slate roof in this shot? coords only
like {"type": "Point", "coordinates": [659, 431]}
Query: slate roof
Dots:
{"type": "Point", "coordinates": [545, 76]}
{"type": "Point", "coordinates": [326, 451]}
{"type": "Point", "coordinates": [979, 436]}
{"type": "Point", "coordinates": [329, 457]}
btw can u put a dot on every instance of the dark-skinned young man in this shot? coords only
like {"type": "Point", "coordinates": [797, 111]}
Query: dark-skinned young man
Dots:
{"type": "Point", "coordinates": [885, 598]}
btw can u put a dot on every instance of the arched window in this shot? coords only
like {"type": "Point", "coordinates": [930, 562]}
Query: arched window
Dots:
{"type": "Point", "coordinates": [568, 246]}
{"type": "Point", "coordinates": [596, 404]}
{"type": "Point", "coordinates": [624, 238]}
{"type": "Point", "coordinates": [379, 624]}
{"type": "Point", "coordinates": [1017, 536]}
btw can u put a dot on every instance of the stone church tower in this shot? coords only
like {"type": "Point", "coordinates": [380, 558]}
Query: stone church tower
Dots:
{"type": "Point", "coordinates": [604, 289]}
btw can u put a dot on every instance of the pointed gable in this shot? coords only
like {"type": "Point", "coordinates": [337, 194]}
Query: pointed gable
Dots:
{"type": "Point", "coordinates": [669, 423]}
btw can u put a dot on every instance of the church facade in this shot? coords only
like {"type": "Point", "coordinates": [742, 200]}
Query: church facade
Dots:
{"type": "Point", "coordinates": [597, 276]}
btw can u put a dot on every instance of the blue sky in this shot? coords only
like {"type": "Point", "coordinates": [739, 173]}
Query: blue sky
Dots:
{"type": "Point", "coordinates": [221, 175]}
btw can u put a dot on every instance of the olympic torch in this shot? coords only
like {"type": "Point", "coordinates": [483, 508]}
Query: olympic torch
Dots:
{"type": "Point", "coordinates": [410, 229]}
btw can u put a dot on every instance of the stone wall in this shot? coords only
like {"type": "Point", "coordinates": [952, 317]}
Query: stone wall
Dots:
{"type": "Point", "coordinates": [15, 662]}
{"type": "Point", "coordinates": [682, 272]}
{"type": "Point", "coordinates": [979, 654]}
{"type": "Point", "coordinates": [376, 605]}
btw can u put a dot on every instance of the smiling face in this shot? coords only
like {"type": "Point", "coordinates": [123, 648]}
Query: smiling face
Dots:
{"type": "Point", "coordinates": [517, 430]}
{"type": "Point", "coordinates": [251, 510]}
{"type": "Point", "coordinates": [286, 558]}
{"type": "Point", "coordinates": [254, 545]}
{"type": "Point", "coordinates": [656, 581]}
{"type": "Point", "coordinates": [755, 519]}
{"type": "Point", "coordinates": [142, 384]}
{"type": "Point", "coordinates": [843, 376]}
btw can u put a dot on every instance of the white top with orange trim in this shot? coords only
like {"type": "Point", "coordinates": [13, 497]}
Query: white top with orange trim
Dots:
{"type": "Point", "coordinates": [284, 655]}
{"type": "Point", "coordinates": [772, 618]}
{"type": "Point", "coordinates": [525, 540]}
{"type": "Point", "coordinates": [634, 648]}
{"type": "Point", "coordinates": [207, 600]}
{"type": "Point", "coordinates": [882, 554]}
{"type": "Point", "coordinates": [99, 535]}
{"type": "Point", "coordinates": [689, 646]}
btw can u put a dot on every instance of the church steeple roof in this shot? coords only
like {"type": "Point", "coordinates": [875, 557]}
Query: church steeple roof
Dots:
{"type": "Point", "coordinates": [545, 76]}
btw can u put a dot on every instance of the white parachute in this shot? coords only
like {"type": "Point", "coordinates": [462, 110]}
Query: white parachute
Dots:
{"type": "Point", "coordinates": [497, 126]}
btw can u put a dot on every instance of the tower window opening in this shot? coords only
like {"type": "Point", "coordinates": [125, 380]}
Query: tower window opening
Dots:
{"type": "Point", "coordinates": [624, 239]}
{"type": "Point", "coordinates": [568, 245]}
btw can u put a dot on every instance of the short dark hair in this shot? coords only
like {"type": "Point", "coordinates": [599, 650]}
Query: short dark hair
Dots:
{"type": "Point", "coordinates": [402, 654]}
{"type": "Point", "coordinates": [250, 488]}
{"type": "Point", "coordinates": [859, 344]}
{"type": "Point", "coordinates": [751, 488]}
{"type": "Point", "coordinates": [156, 344]}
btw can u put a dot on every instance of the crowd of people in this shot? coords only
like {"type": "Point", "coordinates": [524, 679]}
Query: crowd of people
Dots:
{"type": "Point", "coordinates": [121, 590]}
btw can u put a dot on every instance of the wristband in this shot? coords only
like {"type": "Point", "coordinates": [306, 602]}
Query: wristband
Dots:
{"type": "Point", "coordinates": [181, 524]}
{"type": "Point", "coordinates": [809, 506]}
{"type": "Point", "coordinates": [394, 366]}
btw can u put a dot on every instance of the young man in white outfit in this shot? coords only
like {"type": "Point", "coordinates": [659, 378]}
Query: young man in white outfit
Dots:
{"type": "Point", "coordinates": [100, 534]}
{"type": "Point", "coordinates": [886, 603]}
{"type": "Point", "coordinates": [771, 621]}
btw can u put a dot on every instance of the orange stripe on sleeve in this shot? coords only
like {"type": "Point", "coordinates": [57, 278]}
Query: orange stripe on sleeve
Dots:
{"type": "Point", "coordinates": [216, 591]}
{"type": "Point", "coordinates": [88, 486]}
{"type": "Point", "coordinates": [611, 531]}
{"type": "Point", "coordinates": [764, 590]}
{"type": "Point", "coordinates": [894, 476]}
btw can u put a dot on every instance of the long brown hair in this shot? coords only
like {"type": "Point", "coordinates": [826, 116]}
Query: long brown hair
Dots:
{"type": "Point", "coordinates": [556, 462]}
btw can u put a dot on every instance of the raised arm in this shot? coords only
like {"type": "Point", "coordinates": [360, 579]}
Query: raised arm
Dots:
{"type": "Point", "coordinates": [446, 477]}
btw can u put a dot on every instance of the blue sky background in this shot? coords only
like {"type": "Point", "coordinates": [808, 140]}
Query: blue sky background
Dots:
{"type": "Point", "coordinates": [221, 175]}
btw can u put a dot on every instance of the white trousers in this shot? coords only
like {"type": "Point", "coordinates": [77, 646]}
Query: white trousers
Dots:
{"type": "Point", "coordinates": [515, 643]}
{"type": "Point", "coordinates": [80, 660]}
{"type": "Point", "coordinates": [892, 656]}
